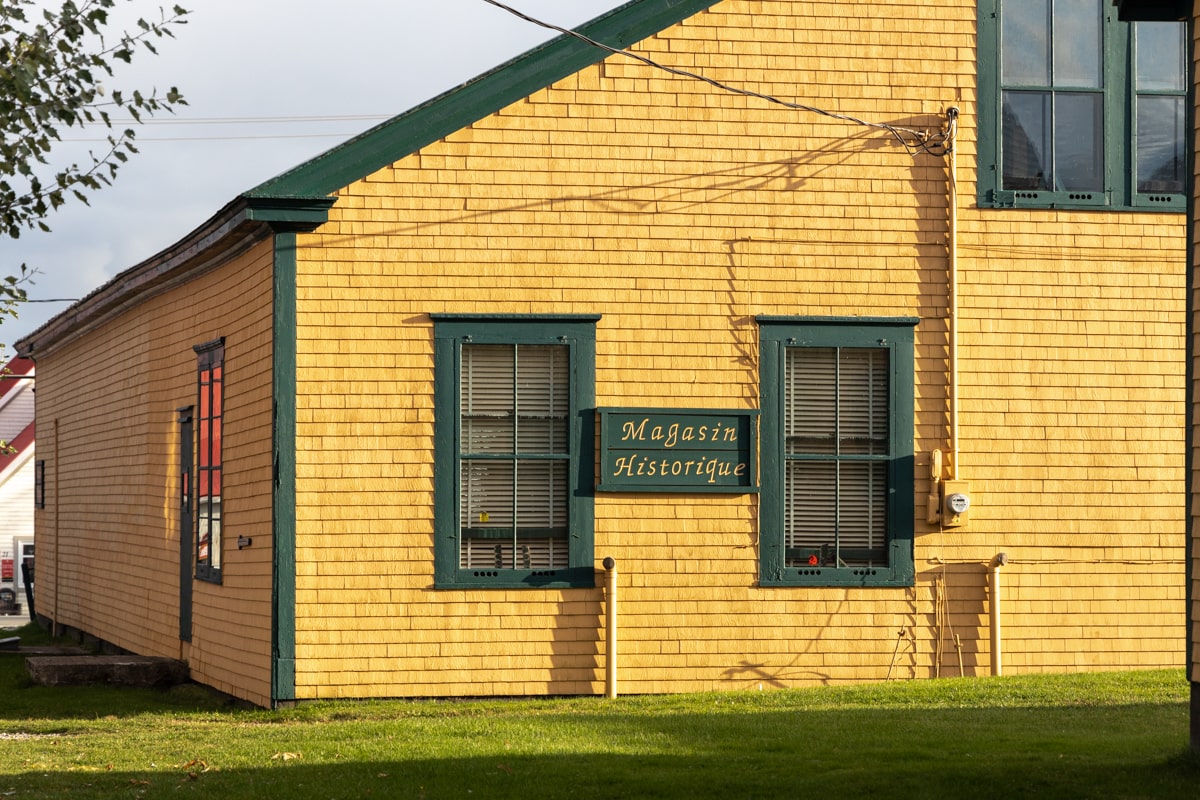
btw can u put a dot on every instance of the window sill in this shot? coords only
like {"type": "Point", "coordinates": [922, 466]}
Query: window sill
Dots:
{"type": "Point", "coordinates": [833, 577]}
{"type": "Point", "coordinates": [566, 578]}
{"type": "Point", "coordinates": [1083, 201]}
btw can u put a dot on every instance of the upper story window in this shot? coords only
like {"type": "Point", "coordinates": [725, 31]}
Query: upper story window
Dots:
{"type": "Point", "coordinates": [1078, 109]}
{"type": "Point", "coordinates": [515, 462]}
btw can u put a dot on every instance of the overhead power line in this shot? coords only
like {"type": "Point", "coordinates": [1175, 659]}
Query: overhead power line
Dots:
{"type": "Point", "coordinates": [247, 121]}
{"type": "Point", "coordinates": [230, 138]}
{"type": "Point", "coordinates": [281, 120]}
{"type": "Point", "coordinates": [913, 141]}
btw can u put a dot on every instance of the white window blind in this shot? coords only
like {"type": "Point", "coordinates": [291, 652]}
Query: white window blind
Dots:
{"type": "Point", "coordinates": [836, 451]}
{"type": "Point", "coordinates": [515, 457]}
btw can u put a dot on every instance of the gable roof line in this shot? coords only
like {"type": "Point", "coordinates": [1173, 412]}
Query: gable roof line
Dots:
{"type": "Point", "coordinates": [477, 99]}
{"type": "Point", "coordinates": [300, 198]}
{"type": "Point", "coordinates": [230, 232]}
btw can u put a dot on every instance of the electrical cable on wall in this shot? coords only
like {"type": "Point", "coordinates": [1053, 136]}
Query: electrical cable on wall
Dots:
{"type": "Point", "coordinates": [913, 141]}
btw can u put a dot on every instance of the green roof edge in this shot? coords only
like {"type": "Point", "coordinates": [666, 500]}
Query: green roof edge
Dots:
{"type": "Point", "coordinates": [476, 99]}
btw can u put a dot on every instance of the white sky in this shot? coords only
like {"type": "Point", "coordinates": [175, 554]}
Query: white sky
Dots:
{"type": "Point", "coordinates": [253, 59]}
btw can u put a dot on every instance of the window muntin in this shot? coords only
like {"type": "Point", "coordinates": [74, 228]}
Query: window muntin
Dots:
{"type": "Point", "coordinates": [837, 452]}
{"type": "Point", "coordinates": [514, 482]}
{"type": "Point", "coordinates": [210, 381]}
{"type": "Point", "coordinates": [1079, 109]}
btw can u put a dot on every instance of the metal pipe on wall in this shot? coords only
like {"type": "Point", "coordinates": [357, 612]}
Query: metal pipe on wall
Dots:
{"type": "Point", "coordinates": [952, 310]}
{"type": "Point", "coordinates": [997, 644]}
{"type": "Point", "coordinates": [610, 624]}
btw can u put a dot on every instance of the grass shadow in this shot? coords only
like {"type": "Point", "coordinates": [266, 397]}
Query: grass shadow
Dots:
{"type": "Point", "coordinates": [1084, 752]}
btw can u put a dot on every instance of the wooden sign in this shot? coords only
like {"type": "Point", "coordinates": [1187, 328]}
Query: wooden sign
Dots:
{"type": "Point", "coordinates": [678, 450]}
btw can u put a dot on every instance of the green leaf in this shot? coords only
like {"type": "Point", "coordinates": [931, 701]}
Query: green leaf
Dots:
{"type": "Point", "coordinates": [51, 65]}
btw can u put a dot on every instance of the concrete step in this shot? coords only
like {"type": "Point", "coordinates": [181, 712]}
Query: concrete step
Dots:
{"type": "Point", "coordinates": [121, 670]}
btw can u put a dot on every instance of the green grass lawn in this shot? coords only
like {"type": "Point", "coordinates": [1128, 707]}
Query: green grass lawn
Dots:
{"type": "Point", "coordinates": [1104, 735]}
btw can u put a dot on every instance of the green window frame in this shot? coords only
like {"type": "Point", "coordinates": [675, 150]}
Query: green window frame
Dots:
{"type": "Point", "coordinates": [210, 415]}
{"type": "Point", "coordinates": [514, 447]}
{"type": "Point", "coordinates": [1078, 109]}
{"type": "Point", "coordinates": [836, 452]}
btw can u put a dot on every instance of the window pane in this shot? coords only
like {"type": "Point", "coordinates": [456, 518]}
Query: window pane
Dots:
{"type": "Point", "coordinates": [1078, 44]}
{"type": "Point", "coordinates": [216, 377]}
{"type": "Point", "coordinates": [1079, 142]}
{"type": "Point", "coordinates": [1025, 43]}
{"type": "Point", "coordinates": [863, 402]}
{"type": "Point", "coordinates": [1160, 56]}
{"type": "Point", "coordinates": [523, 553]}
{"type": "Point", "coordinates": [543, 399]}
{"type": "Point", "coordinates": [210, 530]}
{"type": "Point", "coordinates": [836, 401]}
{"type": "Point", "coordinates": [810, 387]}
{"type": "Point", "coordinates": [486, 553]}
{"type": "Point", "coordinates": [1026, 140]}
{"type": "Point", "coordinates": [541, 553]}
{"type": "Point", "coordinates": [486, 494]}
{"type": "Point", "coordinates": [1160, 143]}
{"type": "Point", "coordinates": [862, 509]}
{"type": "Point", "coordinates": [487, 399]}
{"type": "Point", "coordinates": [513, 515]}
{"type": "Point", "coordinates": [541, 495]}
{"type": "Point", "coordinates": [810, 505]}
{"type": "Point", "coordinates": [204, 544]}
{"type": "Point", "coordinates": [835, 513]}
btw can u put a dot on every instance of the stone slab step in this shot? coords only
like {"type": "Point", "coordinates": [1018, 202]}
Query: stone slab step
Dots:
{"type": "Point", "coordinates": [126, 670]}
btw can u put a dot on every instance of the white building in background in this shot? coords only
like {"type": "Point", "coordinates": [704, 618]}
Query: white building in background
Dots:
{"type": "Point", "coordinates": [17, 479]}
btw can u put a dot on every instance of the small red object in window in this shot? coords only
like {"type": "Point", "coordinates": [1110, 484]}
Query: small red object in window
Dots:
{"type": "Point", "coordinates": [813, 560]}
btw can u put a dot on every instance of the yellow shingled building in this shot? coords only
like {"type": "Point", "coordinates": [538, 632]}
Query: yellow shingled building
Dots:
{"type": "Point", "coordinates": [862, 358]}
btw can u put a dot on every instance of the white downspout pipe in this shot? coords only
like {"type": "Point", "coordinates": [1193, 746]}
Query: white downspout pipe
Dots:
{"type": "Point", "coordinates": [997, 657]}
{"type": "Point", "coordinates": [952, 310]}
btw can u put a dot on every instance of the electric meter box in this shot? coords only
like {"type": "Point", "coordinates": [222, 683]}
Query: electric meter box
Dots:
{"type": "Point", "coordinates": [956, 503]}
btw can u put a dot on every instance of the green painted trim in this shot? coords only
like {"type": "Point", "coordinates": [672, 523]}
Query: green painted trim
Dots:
{"type": "Point", "coordinates": [477, 99]}
{"type": "Point", "coordinates": [283, 443]}
{"type": "Point", "coordinates": [291, 213]}
{"type": "Point", "coordinates": [897, 335]}
{"type": "Point", "coordinates": [840, 322]}
{"type": "Point", "coordinates": [671, 450]}
{"type": "Point", "coordinates": [1192, 531]}
{"type": "Point", "coordinates": [475, 319]}
{"type": "Point", "coordinates": [445, 445]}
{"type": "Point", "coordinates": [1120, 157]}
{"type": "Point", "coordinates": [450, 331]}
